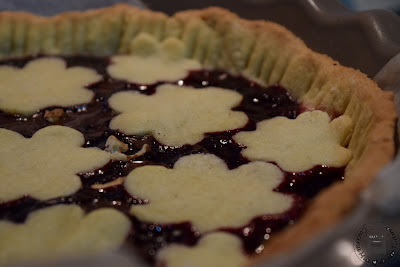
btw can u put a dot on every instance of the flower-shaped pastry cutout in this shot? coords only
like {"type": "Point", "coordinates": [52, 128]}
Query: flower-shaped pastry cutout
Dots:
{"type": "Point", "coordinates": [177, 115]}
{"type": "Point", "coordinates": [201, 189]}
{"type": "Point", "coordinates": [46, 165]}
{"type": "Point", "coordinates": [213, 250]}
{"type": "Point", "coordinates": [42, 83]}
{"type": "Point", "coordinates": [152, 61]}
{"type": "Point", "coordinates": [62, 231]}
{"type": "Point", "coordinates": [300, 144]}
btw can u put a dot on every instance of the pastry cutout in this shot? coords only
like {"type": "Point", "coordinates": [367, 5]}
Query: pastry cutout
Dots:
{"type": "Point", "coordinates": [62, 231]}
{"type": "Point", "coordinates": [43, 83]}
{"type": "Point", "coordinates": [177, 115]}
{"type": "Point", "coordinates": [221, 197]}
{"type": "Point", "coordinates": [300, 144]}
{"type": "Point", "coordinates": [213, 250]}
{"type": "Point", "coordinates": [46, 165]}
{"type": "Point", "coordinates": [152, 62]}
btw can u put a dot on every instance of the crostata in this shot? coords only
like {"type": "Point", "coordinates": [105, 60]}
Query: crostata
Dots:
{"type": "Point", "coordinates": [199, 138]}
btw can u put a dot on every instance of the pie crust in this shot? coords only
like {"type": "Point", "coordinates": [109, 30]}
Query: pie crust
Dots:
{"type": "Point", "coordinates": [262, 51]}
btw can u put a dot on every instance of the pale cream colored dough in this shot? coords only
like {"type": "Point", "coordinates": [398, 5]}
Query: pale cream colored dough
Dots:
{"type": "Point", "coordinates": [151, 61]}
{"type": "Point", "coordinates": [201, 189]}
{"type": "Point", "coordinates": [177, 115]}
{"type": "Point", "coordinates": [149, 70]}
{"type": "Point", "coordinates": [42, 83]}
{"type": "Point", "coordinates": [299, 144]}
{"type": "Point", "coordinates": [46, 165]}
{"type": "Point", "coordinates": [62, 231]}
{"type": "Point", "coordinates": [213, 250]}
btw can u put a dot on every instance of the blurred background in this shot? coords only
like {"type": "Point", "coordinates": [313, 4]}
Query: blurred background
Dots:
{"type": "Point", "coordinates": [362, 5]}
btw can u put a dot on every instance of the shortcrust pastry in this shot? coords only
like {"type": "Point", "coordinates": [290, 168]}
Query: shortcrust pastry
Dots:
{"type": "Point", "coordinates": [199, 137]}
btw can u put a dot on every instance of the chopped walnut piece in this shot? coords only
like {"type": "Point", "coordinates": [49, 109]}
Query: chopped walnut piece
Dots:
{"type": "Point", "coordinates": [54, 115]}
{"type": "Point", "coordinates": [113, 145]}
{"type": "Point", "coordinates": [116, 147]}
{"type": "Point", "coordinates": [141, 152]}
{"type": "Point", "coordinates": [115, 182]}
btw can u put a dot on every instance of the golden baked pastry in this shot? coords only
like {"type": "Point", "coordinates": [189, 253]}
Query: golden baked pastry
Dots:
{"type": "Point", "coordinates": [128, 69]}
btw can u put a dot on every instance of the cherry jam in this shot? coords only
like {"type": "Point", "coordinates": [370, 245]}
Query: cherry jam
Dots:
{"type": "Point", "coordinates": [92, 120]}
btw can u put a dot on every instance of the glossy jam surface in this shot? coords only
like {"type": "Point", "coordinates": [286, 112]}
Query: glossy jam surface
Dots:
{"type": "Point", "coordinates": [92, 119]}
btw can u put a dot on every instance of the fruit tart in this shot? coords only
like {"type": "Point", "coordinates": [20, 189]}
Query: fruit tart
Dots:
{"type": "Point", "coordinates": [198, 138]}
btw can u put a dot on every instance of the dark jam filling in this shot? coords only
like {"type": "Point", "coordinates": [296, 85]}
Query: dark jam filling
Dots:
{"type": "Point", "coordinates": [92, 120]}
